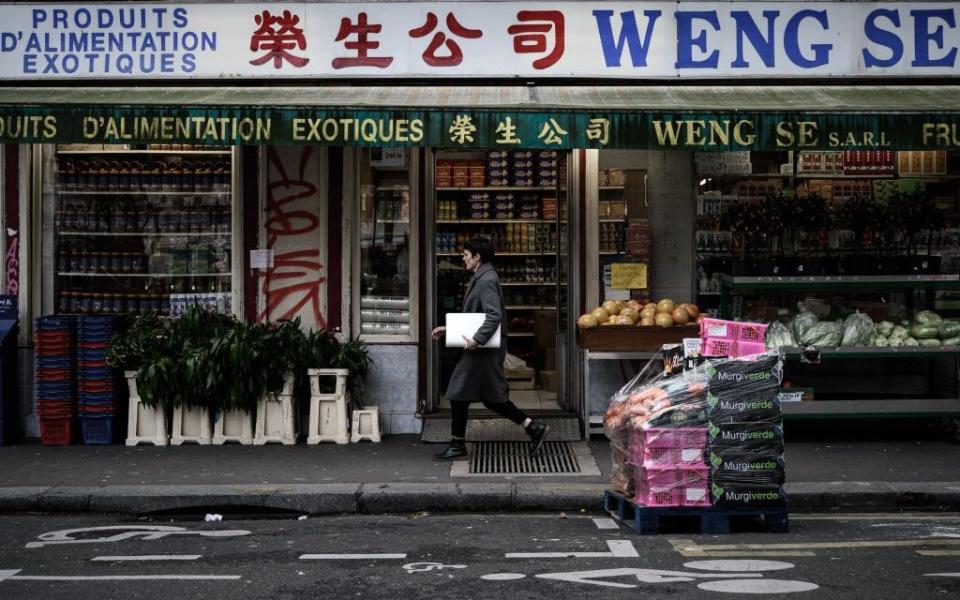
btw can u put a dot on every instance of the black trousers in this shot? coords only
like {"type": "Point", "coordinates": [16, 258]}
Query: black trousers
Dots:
{"type": "Point", "coordinates": [508, 409]}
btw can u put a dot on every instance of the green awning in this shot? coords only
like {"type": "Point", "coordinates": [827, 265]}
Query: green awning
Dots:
{"type": "Point", "coordinates": [690, 117]}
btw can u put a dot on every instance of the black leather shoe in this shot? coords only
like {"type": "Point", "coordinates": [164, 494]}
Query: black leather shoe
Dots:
{"type": "Point", "coordinates": [538, 434]}
{"type": "Point", "coordinates": [451, 453]}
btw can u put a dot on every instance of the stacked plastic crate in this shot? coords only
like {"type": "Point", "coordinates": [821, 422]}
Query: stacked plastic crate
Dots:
{"type": "Point", "coordinates": [745, 432]}
{"type": "Point", "coordinates": [732, 339]}
{"type": "Point", "coordinates": [671, 468]}
{"type": "Point", "coordinates": [96, 386]}
{"type": "Point", "coordinates": [54, 381]}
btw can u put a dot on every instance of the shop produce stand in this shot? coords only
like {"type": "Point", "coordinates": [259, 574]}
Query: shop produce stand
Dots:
{"type": "Point", "coordinates": [621, 342]}
{"type": "Point", "coordinates": [906, 407]}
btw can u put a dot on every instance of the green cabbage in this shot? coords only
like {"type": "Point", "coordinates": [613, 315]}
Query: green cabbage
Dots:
{"type": "Point", "coordinates": [823, 335]}
{"type": "Point", "coordinates": [880, 341]}
{"type": "Point", "coordinates": [858, 330]}
{"type": "Point", "coordinates": [899, 332]}
{"type": "Point", "coordinates": [929, 342]}
{"type": "Point", "coordinates": [911, 342]}
{"type": "Point", "coordinates": [948, 329]}
{"type": "Point", "coordinates": [954, 341]}
{"type": "Point", "coordinates": [928, 318]}
{"type": "Point", "coordinates": [802, 322]}
{"type": "Point", "coordinates": [779, 336]}
{"type": "Point", "coordinates": [923, 332]}
{"type": "Point", "coordinates": [885, 328]}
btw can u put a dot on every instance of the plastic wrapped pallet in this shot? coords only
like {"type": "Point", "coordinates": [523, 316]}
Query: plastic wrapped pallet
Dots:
{"type": "Point", "coordinates": [709, 436]}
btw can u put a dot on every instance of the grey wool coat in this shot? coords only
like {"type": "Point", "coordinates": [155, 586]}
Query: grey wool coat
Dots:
{"type": "Point", "coordinates": [479, 376]}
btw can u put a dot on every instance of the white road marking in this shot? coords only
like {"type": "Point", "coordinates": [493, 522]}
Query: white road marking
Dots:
{"type": "Point", "coordinates": [352, 556]}
{"type": "Point", "coordinates": [145, 532]}
{"type": "Point", "coordinates": [419, 567]}
{"type": "Point", "coordinates": [749, 566]}
{"type": "Point", "coordinates": [822, 545]}
{"type": "Point", "coordinates": [605, 523]}
{"type": "Point", "coordinates": [689, 549]}
{"type": "Point", "coordinates": [502, 576]}
{"type": "Point", "coordinates": [942, 575]}
{"type": "Point", "coordinates": [938, 552]}
{"type": "Point", "coordinates": [122, 577]}
{"type": "Point", "coordinates": [758, 586]}
{"type": "Point", "coordinates": [618, 549]}
{"type": "Point", "coordinates": [875, 517]}
{"type": "Point", "coordinates": [642, 575]}
{"type": "Point", "coordinates": [147, 557]}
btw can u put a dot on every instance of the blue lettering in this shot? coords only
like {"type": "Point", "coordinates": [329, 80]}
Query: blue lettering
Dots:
{"type": "Point", "coordinates": [104, 18]}
{"type": "Point", "coordinates": [180, 17]}
{"type": "Point", "coordinates": [85, 21]}
{"type": "Point", "coordinates": [30, 63]}
{"type": "Point", "coordinates": [166, 63]}
{"type": "Point", "coordinates": [51, 64]}
{"type": "Point", "coordinates": [70, 63]}
{"type": "Point", "coordinates": [8, 41]}
{"type": "Point", "coordinates": [125, 63]}
{"type": "Point", "coordinates": [59, 18]}
{"type": "Point", "coordinates": [686, 41]}
{"type": "Point", "coordinates": [33, 43]}
{"type": "Point", "coordinates": [189, 63]}
{"type": "Point", "coordinates": [922, 37]}
{"type": "Point", "coordinates": [764, 46]}
{"type": "Point", "coordinates": [791, 42]}
{"type": "Point", "coordinates": [883, 37]}
{"type": "Point", "coordinates": [628, 35]}
{"type": "Point", "coordinates": [209, 40]}
{"type": "Point", "coordinates": [39, 16]}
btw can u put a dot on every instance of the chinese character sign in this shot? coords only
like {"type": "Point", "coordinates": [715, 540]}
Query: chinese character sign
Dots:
{"type": "Point", "coordinates": [590, 40]}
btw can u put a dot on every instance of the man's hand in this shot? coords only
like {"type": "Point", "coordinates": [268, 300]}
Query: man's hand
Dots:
{"type": "Point", "coordinates": [471, 343]}
{"type": "Point", "coordinates": [439, 332]}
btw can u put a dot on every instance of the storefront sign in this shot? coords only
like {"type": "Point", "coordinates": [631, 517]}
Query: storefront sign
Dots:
{"type": "Point", "coordinates": [666, 40]}
{"type": "Point", "coordinates": [481, 129]}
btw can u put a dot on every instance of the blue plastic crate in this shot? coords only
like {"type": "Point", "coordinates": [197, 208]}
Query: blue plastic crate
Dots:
{"type": "Point", "coordinates": [96, 431]}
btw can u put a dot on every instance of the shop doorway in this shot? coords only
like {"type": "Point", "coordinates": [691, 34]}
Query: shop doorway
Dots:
{"type": "Point", "coordinates": [518, 199]}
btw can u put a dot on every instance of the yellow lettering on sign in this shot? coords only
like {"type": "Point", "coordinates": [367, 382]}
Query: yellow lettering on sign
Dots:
{"type": "Point", "coordinates": [628, 275]}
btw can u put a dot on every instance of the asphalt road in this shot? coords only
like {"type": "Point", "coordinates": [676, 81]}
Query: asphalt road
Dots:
{"type": "Point", "coordinates": [473, 556]}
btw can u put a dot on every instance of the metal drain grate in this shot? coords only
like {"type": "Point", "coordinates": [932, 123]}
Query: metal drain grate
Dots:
{"type": "Point", "coordinates": [513, 458]}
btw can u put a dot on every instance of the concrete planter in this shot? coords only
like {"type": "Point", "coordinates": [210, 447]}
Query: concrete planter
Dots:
{"type": "Point", "coordinates": [277, 417]}
{"type": "Point", "coordinates": [145, 425]}
{"type": "Point", "coordinates": [191, 425]}
{"type": "Point", "coordinates": [233, 426]}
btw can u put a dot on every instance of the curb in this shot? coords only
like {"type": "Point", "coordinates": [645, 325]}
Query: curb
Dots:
{"type": "Point", "coordinates": [378, 498]}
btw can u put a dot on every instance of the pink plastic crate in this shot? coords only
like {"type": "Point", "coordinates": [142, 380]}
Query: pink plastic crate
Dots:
{"type": "Point", "coordinates": [751, 332]}
{"type": "Point", "coordinates": [749, 348]}
{"type": "Point", "coordinates": [681, 437]}
{"type": "Point", "coordinates": [664, 458]}
{"type": "Point", "coordinates": [717, 347]}
{"type": "Point", "coordinates": [668, 478]}
{"type": "Point", "coordinates": [718, 328]}
{"type": "Point", "coordinates": [694, 495]}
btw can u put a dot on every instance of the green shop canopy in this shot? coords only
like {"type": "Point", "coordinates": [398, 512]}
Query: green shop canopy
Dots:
{"type": "Point", "coordinates": [544, 117]}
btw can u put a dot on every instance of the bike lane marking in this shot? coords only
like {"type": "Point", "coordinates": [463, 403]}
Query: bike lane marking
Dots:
{"type": "Point", "coordinates": [125, 532]}
{"type": "Point", "coordinates": [618, 549]}
{"type": "Point", "coordinates": [938, 552]}
{"type": "Point", "coordinates": [146, 557]}
{"type": "Point", "coordinates": [691, 549]}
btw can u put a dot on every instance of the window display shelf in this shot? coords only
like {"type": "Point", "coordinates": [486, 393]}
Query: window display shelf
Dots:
{"type": "Point", "coordinates": [827, 282]}
{"type": "Point", "coordinates": [393, 221]}
{"type": "Point", "coordinates": [145, 275]}
{"type": "Point", "coordinates": [147, 233]}
{"type": "Point", "coordinates": [499, 254]}
{"type": "Point", "coordinates": [530, 188]}
{"type": "Point", "coordinates": [524, 334]}
{"type": "Point", "coordinates": [491, 221]}
{"type": "Point", "coordinates": [604, 188]}
{"type": "Point", "coordinates": [143, 193]}
{"type": "Point", "coordinates": [611, 253]}
{"type": "Point", "coordinates": [528, 283]}
{"type": "Point", "coordinates": [127, 152]}
{"type": "Point", "coordinates": [871, 408]}
{"type": "Point", "coordinates": [867, 352]}
{"type": "Point", "coordinates": [530, 307]}
{"type": "Point", "coordinates": [620, 220]}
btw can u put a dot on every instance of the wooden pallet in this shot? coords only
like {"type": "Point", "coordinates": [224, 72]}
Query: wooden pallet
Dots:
{"type": "Point", "coordinates": [521, 379]}
{"type": "Point", "coordinates": [645, 520]}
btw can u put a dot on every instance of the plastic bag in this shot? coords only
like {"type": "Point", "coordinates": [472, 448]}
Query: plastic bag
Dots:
{"type": "Point", "coordinates": [513, 362]}
{"type": "Point", "coordinates": [709, 436]}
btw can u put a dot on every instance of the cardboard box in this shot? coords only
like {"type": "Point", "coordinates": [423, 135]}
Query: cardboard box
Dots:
{"type": "Point", "coordinates": [545, 328]}
{"type": "Point", "coordinates": [548, 381]}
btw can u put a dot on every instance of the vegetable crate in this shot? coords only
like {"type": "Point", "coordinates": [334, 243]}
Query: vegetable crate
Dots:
{"type": "Point", "coordinates": [646, 520]}
{"type": "Point", "coordinates": [731, 338]}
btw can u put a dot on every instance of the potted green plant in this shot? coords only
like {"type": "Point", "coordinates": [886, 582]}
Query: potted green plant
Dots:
{"type": "Point", "coordinates": [337, 372]}
{"type": "Point", "coordinates": [281, 354]}
{"type": "Point", "coordinates": [130, 350]}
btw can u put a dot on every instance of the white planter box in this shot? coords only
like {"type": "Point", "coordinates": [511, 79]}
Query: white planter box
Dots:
{"type": "Point", "coordinates": [191, 425]}
{"type": "Point", "coordinates": [144, 425]}
{"type": "Point", "coordinates": [277, 417]}
{"type": "Point", "coordinates": [328, 412]}
{"type": "Point", "coordinates": [233, 426]}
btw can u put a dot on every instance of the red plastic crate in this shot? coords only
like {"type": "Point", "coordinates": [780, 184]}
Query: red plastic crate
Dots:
{"type": "Point", "coordinates": [56, 432]}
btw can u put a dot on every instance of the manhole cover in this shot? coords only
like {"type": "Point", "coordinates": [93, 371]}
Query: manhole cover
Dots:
{"type": "Point", "coordinates": [513, 458]}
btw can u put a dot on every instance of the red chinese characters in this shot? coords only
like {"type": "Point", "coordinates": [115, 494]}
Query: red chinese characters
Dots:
{"type": "Point", "coordinates": [361, 46]}
{"type": "Point", "coordinates": [530, 35]}
{"type": "Point", "coordinates": [455, 56]}
{"type": "Point", "coordinates": [277, 36]}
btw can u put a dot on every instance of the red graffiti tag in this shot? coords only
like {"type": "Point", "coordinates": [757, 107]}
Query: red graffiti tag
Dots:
{"type": "Point", "coordinates": [295, 276]}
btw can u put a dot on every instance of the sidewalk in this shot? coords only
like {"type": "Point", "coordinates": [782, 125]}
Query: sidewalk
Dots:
{"type": "Point", "coordinates": [399, 476]}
